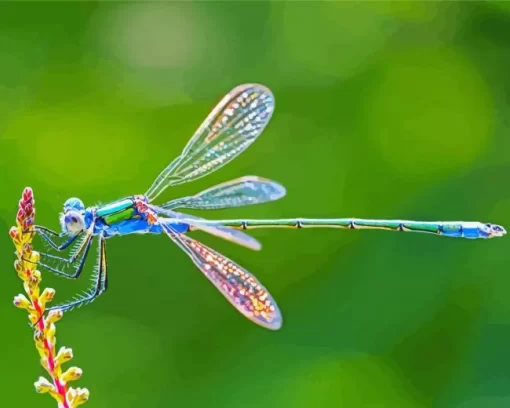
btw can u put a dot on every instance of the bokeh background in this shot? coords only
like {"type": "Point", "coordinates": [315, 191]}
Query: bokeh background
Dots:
{"type": "Point", "coordinates": [383, 110]}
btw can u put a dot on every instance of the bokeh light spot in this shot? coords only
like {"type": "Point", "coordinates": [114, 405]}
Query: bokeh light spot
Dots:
{"type": "Point", "coordinates": [153, 35]}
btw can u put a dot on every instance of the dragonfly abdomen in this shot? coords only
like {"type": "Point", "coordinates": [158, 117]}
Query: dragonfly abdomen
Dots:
{"type": "Point", "coordinates": [457, 229]}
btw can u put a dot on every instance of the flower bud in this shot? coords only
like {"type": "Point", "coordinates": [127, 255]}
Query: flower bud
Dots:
{"type": "Point", "coordinates": [39, 339]}
{"type": "Point", "coordinates": [64, 355]}
{"type": "Point", "coordinates": [13, 232]}
{"type": "Point", "coordinates": [22, 302]}
{"type": "Point", "coordinates": [54, 316]}
{"type": "Point", "coordinates": [81, 397]}
{"type": "Point", "coordinates": [28, 194]}
{"type": "Point", "coordinates": [46, 296]}
{"type": "Point", "coordinates": [42, 385]}
{"type": "Point", "coordinates": [72, 374]}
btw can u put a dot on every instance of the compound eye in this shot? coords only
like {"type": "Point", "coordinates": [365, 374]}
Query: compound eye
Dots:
{"type": "Point", "coordinates": [74, 219]}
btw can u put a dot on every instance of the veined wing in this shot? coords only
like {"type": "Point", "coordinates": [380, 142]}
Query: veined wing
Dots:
{"type": "Point", "coordinates": [235, 193]}
{"type": "Point", "coordinates": [227, 233]}
{"type": "Point", "coordinates": [240, 287]}
{"type": "Point", "coordinates": [229, 129]}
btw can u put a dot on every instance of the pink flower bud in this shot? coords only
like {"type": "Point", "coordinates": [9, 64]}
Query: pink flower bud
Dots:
{"type": "Point", "coordinates": [13, 232]}
{"type": "Point", "coordinates": [28, 194]}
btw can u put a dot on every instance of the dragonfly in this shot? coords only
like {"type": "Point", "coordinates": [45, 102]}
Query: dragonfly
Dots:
{"type": "Point", "coordinates": [233, 125]}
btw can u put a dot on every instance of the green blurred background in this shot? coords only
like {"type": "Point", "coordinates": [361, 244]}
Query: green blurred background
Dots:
{"type": "Point", "coordinates": [384, 110]}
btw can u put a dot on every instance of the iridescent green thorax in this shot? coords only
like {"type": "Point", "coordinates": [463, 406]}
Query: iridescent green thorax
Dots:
{"type": "Point", "coordinates": [123, 215]}
{"type": "Point", "coordinates": [117, 211]}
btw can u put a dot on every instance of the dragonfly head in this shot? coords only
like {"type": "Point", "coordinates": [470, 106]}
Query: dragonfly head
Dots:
{"type": "Point", "coordinates": [72, 219]}
{"type": "Point", "coordinates": [495, 230]}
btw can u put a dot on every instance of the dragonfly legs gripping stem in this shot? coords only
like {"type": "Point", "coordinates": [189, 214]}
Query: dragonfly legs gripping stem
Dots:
{"type": "Point", "coordinates": [76, 274]}
{"type": "Point", "coordinates": [100, 282]}
{"type": "Point", "coordinates": [80, 254]}
{"type": "Point", "coordinates": [45, 232]}
{"type": "Point", "coordinates": [84, 248]}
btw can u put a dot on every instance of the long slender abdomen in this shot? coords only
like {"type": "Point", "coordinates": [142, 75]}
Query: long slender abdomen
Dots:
{"type": "Point", "coordinates": [458, 229]}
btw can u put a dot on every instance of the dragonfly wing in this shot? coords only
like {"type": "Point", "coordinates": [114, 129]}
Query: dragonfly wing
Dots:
{"type": "Point", "coordinates": [229, 129]}
{"type": "Point", "coordinates": [235, 193]}
{"type": "Point", "coordinates": [240, 287]}
{"type": "Point", "coordinates": [227, 233]}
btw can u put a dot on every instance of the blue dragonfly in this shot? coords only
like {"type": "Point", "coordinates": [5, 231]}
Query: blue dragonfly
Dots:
{"type": "Point", "coordinates": [232, 126]}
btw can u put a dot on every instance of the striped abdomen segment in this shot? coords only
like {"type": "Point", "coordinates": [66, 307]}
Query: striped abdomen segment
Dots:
{"type": "Point", "coordinates": [451, 229]}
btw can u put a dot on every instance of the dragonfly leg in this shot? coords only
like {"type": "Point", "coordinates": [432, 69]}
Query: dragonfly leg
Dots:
{"type": "Point", "coordinates": [60, 247]}
{"type": "Point", "coordinates": [83, 248]}
{"type": "Point", "coordinates": [48, 231]}
{"type": "Point", "coordinates": [100, 286]}
{"type": "Point", "coordinates": [40, 228]}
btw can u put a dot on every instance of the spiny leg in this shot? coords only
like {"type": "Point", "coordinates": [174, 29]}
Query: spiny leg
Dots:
{"type": "Point", "coordinates": [100, 285]}
{"type": "Point", "coordinates": [60, 247]}
{"type": "Point", "coordinates": [76, 274]}
{"type": "Point", "coordinates": [76, 251]}
{"type": "Point", "coordinates": [46, 232]}
{"type": "Point", "coordinates": [49, 231]}
{"type": "Point", "coordinates": [84, 247]}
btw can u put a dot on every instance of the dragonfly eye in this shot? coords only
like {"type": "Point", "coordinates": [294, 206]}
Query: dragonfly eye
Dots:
{"type": "Point", "coordinates": [73, 221]}
{"type": "Point", "coordinates": [74, 204]}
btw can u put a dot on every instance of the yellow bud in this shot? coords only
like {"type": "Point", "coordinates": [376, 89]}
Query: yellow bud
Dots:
{"type": "Point", "coordinates": [39, 339]}
{"type": "Point", "coordinates": [27, 251]}
{"type": "Point", "coordinates": [72, 374]}
{"type": "Point", "coordinates": [32, 290]}
{"type": "Point", "coordinates": [54, 316]}
{"type": "Point", "coordinates": [49, 330]}
{"type": "Point", "coordinates": [44, 361]}
{"type": "Point", "coordinates": [36, 277]}
{"type": "Point", "coordinates": [81, 397]}
{"type": "Point", "coordinates": [34, 317]}
{"type": "Point", "coordinates": [22, 302]}
{"type": "Point", "coordinates": [47, 295]}
{"type": "Point", "coordinates": [71, 395]}
{"type": "Point", "coordinates": [36, 256]}
{"type": "Point", "coordinates": [18, 265]}
{"type": "Point", "coordinates": [64, 355]}
{"type": "Point", "coordinates": [42, 385]}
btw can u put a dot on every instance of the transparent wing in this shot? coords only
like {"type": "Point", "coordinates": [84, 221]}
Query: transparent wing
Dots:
{"type": "Point", "coordinates": [235, 193]}
{"type": "Point", "coordinates": [240, 287]}
{"type": "Point", "coordinates": [227, 233]}
{"type": "Point", "coordinates": [229, 129]}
